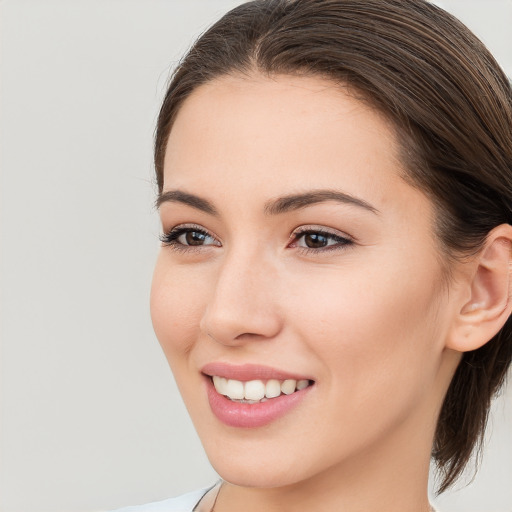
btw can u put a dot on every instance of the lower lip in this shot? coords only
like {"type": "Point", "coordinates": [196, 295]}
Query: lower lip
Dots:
{"type": "Point", "coordinates": [236, 414]}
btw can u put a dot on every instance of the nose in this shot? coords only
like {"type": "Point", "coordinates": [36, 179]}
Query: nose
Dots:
{"type": "Point", "coordinates": [243, 305]}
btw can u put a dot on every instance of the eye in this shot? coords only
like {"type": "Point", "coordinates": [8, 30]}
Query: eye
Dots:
{"type": "Point", "coordinates": [184, 237]}
{"type": "Point", "coordinates": [315, 239]}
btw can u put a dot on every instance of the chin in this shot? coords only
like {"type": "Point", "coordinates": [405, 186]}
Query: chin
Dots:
{"type": "Point", "coordinates": [257, 465]}
{"type": "Point", "coordinates": [246, 475]}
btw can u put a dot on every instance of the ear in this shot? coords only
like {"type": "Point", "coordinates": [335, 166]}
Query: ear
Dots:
{"type": "Point", "coordinates": [488, 284]}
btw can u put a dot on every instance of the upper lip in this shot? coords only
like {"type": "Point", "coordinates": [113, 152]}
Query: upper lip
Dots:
{"type": "Point", "coordinates": [247, 372]}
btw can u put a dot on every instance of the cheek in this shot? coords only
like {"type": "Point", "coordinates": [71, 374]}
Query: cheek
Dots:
{"type": "Point", "coordinates": [372, 329]}
{"type": "Point", "coordinates": [177, 300]}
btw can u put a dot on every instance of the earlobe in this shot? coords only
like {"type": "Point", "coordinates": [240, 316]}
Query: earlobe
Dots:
{"type": "Point", "coordinates": [490, 293]}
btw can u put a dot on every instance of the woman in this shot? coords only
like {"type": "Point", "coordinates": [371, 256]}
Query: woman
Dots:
{"type": "Point", "coordinates": [333, 289]}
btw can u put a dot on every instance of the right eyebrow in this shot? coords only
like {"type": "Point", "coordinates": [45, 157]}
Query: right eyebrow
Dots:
{"type": "Point", "coordinates": [178, 196]}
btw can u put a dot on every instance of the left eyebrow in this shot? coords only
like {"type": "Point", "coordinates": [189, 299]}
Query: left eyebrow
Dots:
{"type": "Point", "coordinates": [298, 201]}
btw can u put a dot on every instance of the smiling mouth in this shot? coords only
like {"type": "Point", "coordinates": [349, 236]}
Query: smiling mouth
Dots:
{"type": "Point", "coordinates": [257, 391]}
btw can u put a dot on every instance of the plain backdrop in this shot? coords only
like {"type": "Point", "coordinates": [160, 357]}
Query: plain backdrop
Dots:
{"type": "Point", "coordinates": [91, 418]}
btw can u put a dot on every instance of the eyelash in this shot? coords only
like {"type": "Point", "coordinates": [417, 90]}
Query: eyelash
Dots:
{"type": "Point", "coordinates": [341, 242]}
{"type": "Point", "coordinates": [170, 239]}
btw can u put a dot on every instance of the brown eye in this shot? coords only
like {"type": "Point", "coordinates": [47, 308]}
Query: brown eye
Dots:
{"type": "Point", "coordinates": [315, 240]}
{"type": "Point", "coordinates": [188, 237]}
{"type": "Point", "coordinates": [193, 238]}
{"type": "Point", "coordinates": [311, 239]}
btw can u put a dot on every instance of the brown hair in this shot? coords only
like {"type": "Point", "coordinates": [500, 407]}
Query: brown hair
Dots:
{"type": "Point", "coordinates": [451, 105]}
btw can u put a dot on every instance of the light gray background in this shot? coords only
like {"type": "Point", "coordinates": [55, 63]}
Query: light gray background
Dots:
{"type": "Point", "coordinates": [91, 418]}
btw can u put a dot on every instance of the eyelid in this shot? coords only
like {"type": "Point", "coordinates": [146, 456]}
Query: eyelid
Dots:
{"type": "Point", "coordinates": [169, 237]}
{"type": "Point", "coordinates": [343, 240]}
{"type": "Point", "coordinates": [315, 228]}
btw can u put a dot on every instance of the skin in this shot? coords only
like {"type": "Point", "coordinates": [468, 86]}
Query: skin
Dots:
{"type": "Point", "coordinates": [368, 321]}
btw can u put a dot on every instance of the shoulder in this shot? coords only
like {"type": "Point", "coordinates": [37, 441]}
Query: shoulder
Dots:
{"type": "Point", "coordinates": [183, 503]}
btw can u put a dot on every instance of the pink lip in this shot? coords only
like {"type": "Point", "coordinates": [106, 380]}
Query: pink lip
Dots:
{"type": "Point", "coordinates": [243, 415]}
{"type": "Point", "coordinates": [248, 372]}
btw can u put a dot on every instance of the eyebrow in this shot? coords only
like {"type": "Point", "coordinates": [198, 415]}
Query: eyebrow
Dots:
{"type": "Point", "coordinates": [178, 196]}
{"type": "Point", "coordinates": [298, 201]}
{"type": "Point", "coordinates": [272, 207]}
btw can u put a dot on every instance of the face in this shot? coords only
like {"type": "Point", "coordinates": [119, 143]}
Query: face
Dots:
{"type": "Point", "coordinates": [298, 275]}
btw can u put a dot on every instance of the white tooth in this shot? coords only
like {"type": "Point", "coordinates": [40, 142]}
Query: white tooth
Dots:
{"type": "Point", "coordinates": [235, 389]}
{"type": "Point", "coordinates": [220, 384]}
{"type": "Point", "coordinates": [288, 386]}
{"type": "Point", "coordinates": [273, 388]}
{"type": "Point", "coordinates": [254, 390]}
{"type": "Point", "coordinates": [302, 384]}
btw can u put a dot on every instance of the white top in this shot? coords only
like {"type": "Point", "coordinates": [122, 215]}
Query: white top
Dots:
{"type": "Point", "coordinates": [200, 500]}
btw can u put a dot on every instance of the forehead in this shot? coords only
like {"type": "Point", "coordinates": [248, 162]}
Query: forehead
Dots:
{"type": "Point", "coordinates": [265, 133]}
{"type": "Point", "coordinates": [283, 106]}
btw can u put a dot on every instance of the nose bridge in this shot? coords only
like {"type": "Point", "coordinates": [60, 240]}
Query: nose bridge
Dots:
{"type": "Point", "coordinates": [244, 298]}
